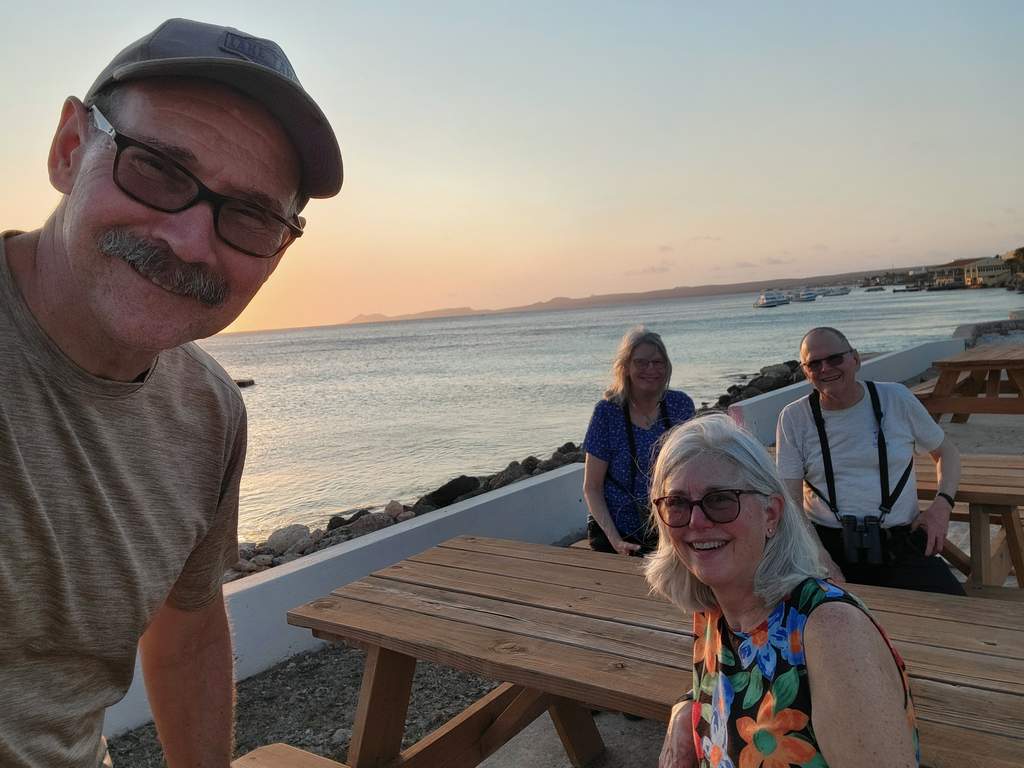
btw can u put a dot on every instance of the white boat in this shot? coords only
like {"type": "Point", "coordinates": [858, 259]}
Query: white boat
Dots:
{"type": "Point", "coordinates": [770, 298]}
{"type": "Point", "coordinates": [803, 295]}
{"type": "Point", "coordinates": [833, 290]}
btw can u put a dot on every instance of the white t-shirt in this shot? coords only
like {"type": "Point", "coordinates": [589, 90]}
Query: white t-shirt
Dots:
{"type": "Point", "coordinates": [853, 442]}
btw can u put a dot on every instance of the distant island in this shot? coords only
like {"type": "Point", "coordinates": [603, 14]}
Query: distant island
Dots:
{"type": "Point", "coordinates": [611, 299]}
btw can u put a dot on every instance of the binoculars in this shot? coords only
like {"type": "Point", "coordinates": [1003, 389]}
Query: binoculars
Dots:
{"type": "Point", "coordinates": [862, 540]}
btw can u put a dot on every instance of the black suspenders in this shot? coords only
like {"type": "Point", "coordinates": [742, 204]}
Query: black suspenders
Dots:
{"type": "Point", "coordinates": [888, 499]}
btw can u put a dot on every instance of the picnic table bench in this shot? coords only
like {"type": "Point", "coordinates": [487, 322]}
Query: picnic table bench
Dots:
{"type": "Point", "coordinates": [565, 629]}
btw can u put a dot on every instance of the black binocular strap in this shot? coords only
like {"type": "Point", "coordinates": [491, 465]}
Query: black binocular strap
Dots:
{"type": "Point", "coordinates": [665, 423]}
{"type": "Point", "coordinates": [883, 458]}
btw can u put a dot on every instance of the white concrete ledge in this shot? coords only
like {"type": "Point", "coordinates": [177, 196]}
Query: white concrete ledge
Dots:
{"type": "Point", "coordinates": [760, 414]}
{"type": "Point", "coordinates": [542, 510]}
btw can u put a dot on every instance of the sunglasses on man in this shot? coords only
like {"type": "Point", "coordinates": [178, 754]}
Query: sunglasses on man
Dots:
{"type": "Point", "coordinates": [834, 361]}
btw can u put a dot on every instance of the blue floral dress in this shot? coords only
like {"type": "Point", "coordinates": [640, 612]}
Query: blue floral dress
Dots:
{"type": "Point", "coordinates": [752, 698]}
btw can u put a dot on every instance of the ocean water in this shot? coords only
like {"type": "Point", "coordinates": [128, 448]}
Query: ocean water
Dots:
{"type": "Point", "coordinates": [350, 416]}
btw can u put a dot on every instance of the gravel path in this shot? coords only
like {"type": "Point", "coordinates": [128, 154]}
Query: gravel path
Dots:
{"type": "Point", "coordinates": [309, 701]}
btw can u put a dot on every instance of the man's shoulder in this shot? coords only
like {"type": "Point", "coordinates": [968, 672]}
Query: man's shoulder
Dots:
{"type": "Point", "coordinates": [799, 408]}
{"type": "Point", "coordinates": [193, 364]}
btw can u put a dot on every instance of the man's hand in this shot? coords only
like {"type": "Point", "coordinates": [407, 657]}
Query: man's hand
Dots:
{"type": "Point", "coordinates": [678, 750]}
{"type": "Point", "coordinates": [935, 522]}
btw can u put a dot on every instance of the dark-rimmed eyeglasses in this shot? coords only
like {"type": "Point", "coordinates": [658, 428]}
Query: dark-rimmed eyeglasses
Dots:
{"type": "Point", "coordinates": [834, 361]}
{"type": "Point", "coordinates": [150, 177]}
{"type": "Point", "coordinates": [718, 506]}
{"type": "Point", "coordinates": [642, 365]}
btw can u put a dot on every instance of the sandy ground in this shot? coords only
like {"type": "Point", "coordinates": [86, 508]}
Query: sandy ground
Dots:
{"type": "Point", "coordinates": [309, 701]}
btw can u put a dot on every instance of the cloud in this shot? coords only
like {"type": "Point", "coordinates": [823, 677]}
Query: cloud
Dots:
{"type": "Point", "coordinates": [745, 264]}
{"type": "Point", "coordinates": [660, 268]}
{"type": "Point", "coordinates": [665, 249]}
{"type": "Point", "coordinates": [820, 247]}
{"type": "Point", "coordinates": [775, 260]}
{"type": "Point", "coordinates": [705, 239]}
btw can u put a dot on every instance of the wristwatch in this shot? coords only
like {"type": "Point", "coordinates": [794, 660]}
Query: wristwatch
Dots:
{"type": "Point", "coordinates": [945, 496]}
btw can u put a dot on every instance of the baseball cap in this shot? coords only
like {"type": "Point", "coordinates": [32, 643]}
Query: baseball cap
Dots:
{"type": "Point", "coordinates": [254, 66]}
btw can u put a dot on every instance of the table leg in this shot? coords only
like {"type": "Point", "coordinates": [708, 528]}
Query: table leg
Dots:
{"type": "Point", "coordinates": [971, 387]}
{"type": "Point", "coordinates": [1016, 375]}
{"type": "Point", "coordinates": [944, 387]}
{"type": "Point", "coordinates": [1015, 542]}
{"type": "Point", "coordinates": [990, 564]}
{"type": "Point", "coordinates": [576, 728]}
{"type": "Point", "coordinates": [383, 703]}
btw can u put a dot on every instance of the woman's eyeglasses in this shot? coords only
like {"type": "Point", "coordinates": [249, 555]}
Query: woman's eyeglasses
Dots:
{"type": "Point", "coordinates": [721, 506]}
{"type": "Point", "coordinates": [833, 361]}
{"type": "Point", "coordinates": [642, 365]}
{"type": "Point", "coordinates": [150, 177]}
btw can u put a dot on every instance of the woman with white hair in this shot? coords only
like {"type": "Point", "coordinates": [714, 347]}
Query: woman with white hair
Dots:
{"type": "Point", "coordinates": [771, 634]}
{"type": "Point", "coordinates": [637, 409]}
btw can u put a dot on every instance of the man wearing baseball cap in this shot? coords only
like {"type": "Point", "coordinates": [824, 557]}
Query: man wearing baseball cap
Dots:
{"type": "Point", "coordinates": [183, 173]}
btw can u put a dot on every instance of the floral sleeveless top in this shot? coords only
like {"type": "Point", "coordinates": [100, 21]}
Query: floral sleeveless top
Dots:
{"type": "Point", "coordinates": [752, 697]}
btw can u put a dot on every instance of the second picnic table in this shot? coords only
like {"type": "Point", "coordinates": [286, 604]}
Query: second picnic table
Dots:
{"type": "Point", "coordinates": [973, 382]}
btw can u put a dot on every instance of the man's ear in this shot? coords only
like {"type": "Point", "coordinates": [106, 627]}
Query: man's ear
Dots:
{"type": "Point", "coordinates": [66, 149]}
{"type": "Point", "coordinates": [856, 358]}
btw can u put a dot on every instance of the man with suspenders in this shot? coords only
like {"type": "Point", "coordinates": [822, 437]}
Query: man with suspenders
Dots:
{"type": "Point", "coordinates": [847, 452]}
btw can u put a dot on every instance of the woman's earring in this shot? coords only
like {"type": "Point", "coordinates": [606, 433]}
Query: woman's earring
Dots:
{"type": "Point", "coordinates": [771, 532]}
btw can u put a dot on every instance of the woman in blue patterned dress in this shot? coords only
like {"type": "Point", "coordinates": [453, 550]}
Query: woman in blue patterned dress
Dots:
{"type": "Point", "coordinates": [637, 409]}
{"type": "Point", "coordinates": [772, 636]}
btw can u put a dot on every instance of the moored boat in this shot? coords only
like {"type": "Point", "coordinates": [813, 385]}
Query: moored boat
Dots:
{"type": "Point", "coordinates": [770, 298]}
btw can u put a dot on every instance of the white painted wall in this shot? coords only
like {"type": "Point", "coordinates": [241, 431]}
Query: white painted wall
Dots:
{"type": "Point", "coordinates": [760, 414]}
{"type": "Point", "coordinates": [542, 509]}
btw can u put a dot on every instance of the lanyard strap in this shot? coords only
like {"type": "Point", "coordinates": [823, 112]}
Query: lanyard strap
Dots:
{"type": "Point", "coordinates": [888, 499]}
{"type": "Point", "coordinates": [631, 439]}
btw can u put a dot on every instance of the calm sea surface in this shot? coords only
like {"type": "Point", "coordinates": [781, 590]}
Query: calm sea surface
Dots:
{"type": "Point", "coordinates": [349, 416]}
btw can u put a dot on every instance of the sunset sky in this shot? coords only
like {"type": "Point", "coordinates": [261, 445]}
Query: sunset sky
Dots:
{"type": "Point", "coordinates": [504, 153]}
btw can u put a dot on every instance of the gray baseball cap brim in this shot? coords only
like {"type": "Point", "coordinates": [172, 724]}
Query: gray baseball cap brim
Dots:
{"type": "Point", "coordinates": [281, 94]}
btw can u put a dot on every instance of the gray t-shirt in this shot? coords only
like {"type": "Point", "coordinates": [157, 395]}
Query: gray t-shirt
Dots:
{"type": "Point", "coordinates": [114, 498]}
{"type": "Point", "coordinates": [853, 442]}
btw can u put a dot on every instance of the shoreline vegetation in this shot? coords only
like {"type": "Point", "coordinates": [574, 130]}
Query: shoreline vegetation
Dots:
{"type": "Point", "coordinates": [293, 541]}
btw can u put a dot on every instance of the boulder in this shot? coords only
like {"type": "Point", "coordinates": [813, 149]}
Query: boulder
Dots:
{"type": "Point", "coordinates": [246, 550]}
{"type": "Point", "coordinates": [281, 540]}
{"type": "Point", "coordinates": [369, 523]}
{"type": "Point", "coordinates": [529, 464]}
{"type": "Point", "coordinates": [337, 521]}
{"type": "Point", "coordinates": [447, 493]}
{"type": "Point", "coordinates": [405, 514]}
{"type": "Point", "coordinates": [394, 508]}
{"type": "Point", "coordinates": [567, 448]}
{"type": "Point", "coordinates": [509, 474]}
{"type": "Point", "coordinates": [780, 371]}
{"type": "Point", "coordinates": [300, 546]}
{"type": "Point", "coordinates": [263, 561]}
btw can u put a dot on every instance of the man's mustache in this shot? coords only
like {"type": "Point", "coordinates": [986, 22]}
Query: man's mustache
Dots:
{"type": "Point", "coordinates": [158, 263]}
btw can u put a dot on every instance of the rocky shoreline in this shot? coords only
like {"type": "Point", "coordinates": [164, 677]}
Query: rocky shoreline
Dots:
{"type": "Point", "coordinates": [294, 541]}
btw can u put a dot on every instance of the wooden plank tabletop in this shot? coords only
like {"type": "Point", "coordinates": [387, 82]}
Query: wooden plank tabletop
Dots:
{"type": "Point", "coordinates": [985, 478]}
{"type": "Point", "coordinates": [987, 356]}
{"type": "Point", "coordinates": [583, 625]}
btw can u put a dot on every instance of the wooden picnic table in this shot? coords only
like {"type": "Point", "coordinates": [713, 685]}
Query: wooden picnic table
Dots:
{"type": "Point", "coordinates": [992, 485]}
{"type": "Point", "coordinates": [974, 382]}
{"type": "Point", "coordinates": [566, 629]}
